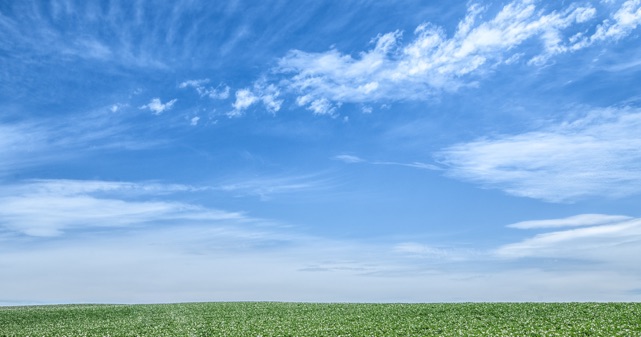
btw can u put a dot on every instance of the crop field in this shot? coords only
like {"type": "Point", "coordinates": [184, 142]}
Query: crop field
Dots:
{"type": "Point", "coordinates": [307, 319]}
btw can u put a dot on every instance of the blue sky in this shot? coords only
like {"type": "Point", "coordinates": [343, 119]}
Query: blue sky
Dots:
{"type": "Point", "coordinates": [377, 151]}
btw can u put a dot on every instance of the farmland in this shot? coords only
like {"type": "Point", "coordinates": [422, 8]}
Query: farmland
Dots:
{"type": "Point", "coordinates": [310, 319]}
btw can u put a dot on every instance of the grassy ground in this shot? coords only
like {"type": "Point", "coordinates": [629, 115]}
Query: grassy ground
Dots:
{"type": "Point", "coordinates": [300, 319]}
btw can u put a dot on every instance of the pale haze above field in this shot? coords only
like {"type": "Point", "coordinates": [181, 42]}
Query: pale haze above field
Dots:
{"type": "Point", "coordinates": [348, 150]}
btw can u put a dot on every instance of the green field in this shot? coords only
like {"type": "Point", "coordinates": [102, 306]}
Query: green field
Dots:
{"type": "Point", "coordinates": [304, 319]}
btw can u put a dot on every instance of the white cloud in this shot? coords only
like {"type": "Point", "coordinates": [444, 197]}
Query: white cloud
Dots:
{"type": "Point", "coordinates": [423, 251]}
{"type": "Point", "coordinates": [50, 215]}
{"type": "Point", "coordinates": [620, 24]}
{"type": "Point", "coordinates": [573, 221]}
{"type": "Point", "coordinates": [267, 94]}
{"type": "Point", "coordinates": [196, 84]}
{"type": "Point", "coordinates": [244, 99]}
{"type": "Point", "coordinates": [267, 187]}
{"type": "Point", "coordinates": [418, 165]}
{"type": "Point", "coordinates": [623, 21]}
{"type": "Point", "coordinates": [349, 158]}
{"type": "Point", "coordinates": [117, 107]}
{"type": "Point", "coordinates": [21, 145]}
{"type": "Point", "coordinates": [194, 121]}
{"type": "Point", "coordinates": [91, 48]}
{"type": "Point", "coordinates": [28, 144]}
{"type": "Point", "coordinates": [433, 61]}
{"type": "Point", "coordinates": [49, 207]}
{"type": "Point", "coordinates": [598, 155]}
{"type": "Point", "coordinates": [617, 243]}
{"type": "Point", "coordinates": [322, 107]}
{"type": "Point", "coordinates": [66, 187]}
{"type": "Point", "coordinates": [157, 107]}
{"type": "Point", "coordinates": [354, 159]}
{"type": "Point", "coordinates": [222, 91]}
{"type": "Point", "coordinates": [87, 36]}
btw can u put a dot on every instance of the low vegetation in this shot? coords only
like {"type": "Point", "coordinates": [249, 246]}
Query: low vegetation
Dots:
{"type": "Point", "coordinates": [306, 319]}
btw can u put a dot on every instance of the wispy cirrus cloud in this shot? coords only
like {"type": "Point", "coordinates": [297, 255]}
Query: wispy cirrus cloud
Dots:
{"type": "Point", "coordinates": [50, 207]}
{"type": "Point", "coordinates": [433, 61]}
{"type": "Point", "coordinates": [269, 187]}
{"type": "Point", "coordinates": [617, 242]}
{"type": "Point", "coordinates": [435, 254]}
{"type": "Point", "coordinates": [350, 159]}
{"type": "Point", "coordinates": [20, 145]}
{"type": "Point", "coordinates": [573, 221]}
{"type": "Point", "coordinates": [597, 155]}
{"type": "Point", "coordinates": [67, 187]}
{"type": "Point", "coordinates": [31, 143]}
{"type": "Point", "coordinates": [123, 33]}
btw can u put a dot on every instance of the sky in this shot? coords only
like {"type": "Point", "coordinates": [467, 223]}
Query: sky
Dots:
{"type": "Point", "coordinates": [323, 151]}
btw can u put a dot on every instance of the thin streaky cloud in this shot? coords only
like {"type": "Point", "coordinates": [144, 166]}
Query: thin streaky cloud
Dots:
{"type": "Point", "coordinates": [617, 243]}
{"type": "Point", "coordinates": [597, 155]}
{"type": "Point", "coordinates": [350, 159]}
{"type": "Point", "coordinates": [269, 187]}
{"type": "Point", "coordinates": [428, 252]}
{"type": "Point", "coordinates": [573, 221]}
{"type": "Point", "coordinates": [418, 165]}
{"type": "Point", "coordinates": [38, 30]}
{"type": "Point", "coordinates": [69, 187]}
{"type": "Point", "coordinates": [19, 144]}
{"type": "Point", "coordinates": [51, 207]}
{"type": "Point", "coordinates": [31, 143]}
